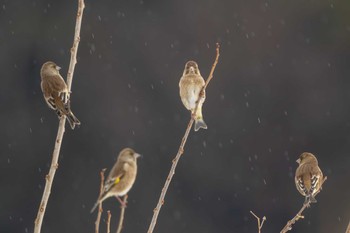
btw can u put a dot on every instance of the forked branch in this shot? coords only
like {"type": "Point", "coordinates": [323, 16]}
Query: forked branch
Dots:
{"type": "Point", "coordinates": [260, 223]}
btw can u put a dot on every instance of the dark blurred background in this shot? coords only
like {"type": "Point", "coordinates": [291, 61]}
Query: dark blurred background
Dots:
{"type": "Point", "coordinates": [281, 87]}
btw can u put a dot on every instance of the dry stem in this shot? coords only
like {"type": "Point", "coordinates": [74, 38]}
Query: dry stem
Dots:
{"type": "Point", "coordinates": [109, 221]}
{"type": "Point", "coordinates": [100, 210]}
{"type": "Point", "coordinates": [54, 163]}
{"type": "Point", "coordinates": [260, 225]}
{"type": "Point", "coordinates": [181, 148]}
{"type": "Point", "coordinates": [122, 211]}
{"type": "Point", "coordinates": [299, 215]}
{"type": "Point", "coordinates": [348, 228]}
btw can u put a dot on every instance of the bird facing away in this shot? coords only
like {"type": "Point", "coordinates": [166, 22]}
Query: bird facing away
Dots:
{"type": "Point", "coordinates": [308, 177]}
{"type": "Point", "coordinates": [191, 84]}
{"type": "Point", "coordinates": [121, 177]}
{"type": "Point", "coordinates": [56, 92]}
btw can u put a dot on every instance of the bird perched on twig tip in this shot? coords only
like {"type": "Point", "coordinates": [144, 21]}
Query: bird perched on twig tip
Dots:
{"type": "Point", "coordinates": [308, 177]}
{"type": "Point", "coordinates": [121, 178]}
{"type": "Point", "coordinates": [191, 84]}
{"type": "Point", "coordinates": [56, 92]}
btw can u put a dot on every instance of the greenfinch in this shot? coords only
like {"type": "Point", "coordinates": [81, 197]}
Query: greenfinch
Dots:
{"type": "Point", "coordinates": [191, 84]}
{"type": "Point", "coordinates": [121, 178]}
{"type": "Point", "coordinates": [308, 177]}
{"type": "Point", "coordinates": [56, 93]}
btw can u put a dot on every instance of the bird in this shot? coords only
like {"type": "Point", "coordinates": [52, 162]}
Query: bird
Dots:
{"type": "Point", "coordinates": [56, 93]}
{"type": "Point", "coordinates": [121, 178]}
{"type": "Point", "coordinates": [191, 85]}
{"type": "Point", "coordinates": [308, 177]}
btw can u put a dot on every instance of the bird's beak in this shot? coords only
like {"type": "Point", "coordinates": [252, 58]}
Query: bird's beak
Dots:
{"type": "Point", "coordinates": [58, 68]}
{"type": "Point", "coordinates": [298, 161]}
{"type": "Point", "coordinates": [137, 155]}
{"type": "Point", "coordinates": [191, 69]}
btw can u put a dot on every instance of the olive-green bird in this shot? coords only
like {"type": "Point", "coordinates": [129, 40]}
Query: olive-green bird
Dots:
{"type": "Point", "coordinates": [56, 92]}
{"type": "Point", "coordinates": [308, 177]}
{"type": "Point", "coordinates": [191, 84]}
{"type": "Point", "coordinates": [121, 178]}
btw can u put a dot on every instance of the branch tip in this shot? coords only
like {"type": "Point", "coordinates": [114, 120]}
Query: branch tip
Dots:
{"type": "Point", "coordinates": [181, 149]}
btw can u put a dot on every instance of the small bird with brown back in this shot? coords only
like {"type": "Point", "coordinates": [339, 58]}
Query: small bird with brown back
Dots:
{"type": "Point", "coordinates": [121, 178]}
{"type": "Point", "coordinates": [308, 177]}
{"type": "Point", "coordinates": [191, 84]}
{"type": "Point", "coordinates": [56, 93]}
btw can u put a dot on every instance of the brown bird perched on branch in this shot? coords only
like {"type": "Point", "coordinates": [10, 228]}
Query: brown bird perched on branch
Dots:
{"type": "Point", "coordinates": [121, 178]}
{"type": "Point", "coordinates": [308, 177]}
{"type": "Point", "coordinates": [191, 84]}
{"type": "Point", "coordinates": [56, 92]}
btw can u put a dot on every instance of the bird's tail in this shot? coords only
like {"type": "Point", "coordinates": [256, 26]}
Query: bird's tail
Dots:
{"type": "Point", "coordinates": [64, 109]}
{"type": "Point", "coordinates": [199, 121]}
{"type": "Point", "coordinates": [100, 199]}
{"type": "Point", "coordinates": [72, 119]}
{"type": "Point", "coordinates": [95, 206]}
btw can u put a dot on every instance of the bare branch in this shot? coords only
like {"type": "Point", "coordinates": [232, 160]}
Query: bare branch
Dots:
{"type": "Point", "coordinates": [54, 163]}
{"type": "Point", "coordinates": [181, 148]}
{"type": "Point", "coordinates": [299, 215]}
{"type": "Point", "coordinates": [109, 221]}
{"type": "Point", "coordinates": [100, 210]}
{"type": "Point", "coordinates": [122, 211]}
{"type": "Point", "coordinates": [348, 228]}
{"type": "Point", "coordinates": [260, 225]}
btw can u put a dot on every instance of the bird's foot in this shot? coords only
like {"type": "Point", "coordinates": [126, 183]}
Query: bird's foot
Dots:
{"type": "Point", "coordinates": [123, 204]}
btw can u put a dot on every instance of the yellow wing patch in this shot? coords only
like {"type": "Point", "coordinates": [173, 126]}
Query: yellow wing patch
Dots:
{"type": "Point", "coordinates": [117, 180]}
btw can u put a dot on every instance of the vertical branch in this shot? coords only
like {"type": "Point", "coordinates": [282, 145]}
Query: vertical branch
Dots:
{"type": "Point", "coordinates": [100, 210]}
{"type": "Point", "coordinates": [54, 163]}
{"type": "Point", "coordinates": [260, 225]}
{"type": "Point", "coordinates": [109, 221]}
{"type": "Point", "coordinates": [181, 148]}
{"type": "Point", "coordinates": [74, 49]}
{"type": "Point", "coordinates": [299, 215]}
{"type": "Point", "coordinates": [122, 212]}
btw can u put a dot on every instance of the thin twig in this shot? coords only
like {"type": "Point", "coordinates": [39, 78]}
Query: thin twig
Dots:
{"type": "Point", "coordinates": [299, 215]}
{"type": "Point", "coordinates": [348, 229]}
{"type": "Point", "coordinates": [109, 221]}
{"type": "Point", "coordinates": [54, 163]}
{"type": "Point", "coordinates": [258, 219]}
{"type": "Point", "coordinates": [100, 210]}
{"type": "Point", "coordinates": [122, 212]}
{"type": "Point", "coordinates": [181, 148]}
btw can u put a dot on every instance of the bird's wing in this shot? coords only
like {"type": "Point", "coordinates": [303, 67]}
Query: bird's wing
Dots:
{"type": "Point", "coordinates": [55, 88]}
{"type": "Point", "coordinates": [299, 183]}
{"type": "Point", "coordinates": [316, 179]}
{"type": "Point", "coordinates": [116, 174]}
{"type": "Point", "coordinates": [46, 89]}
{"type": "Point", "coordinates": [308, 179]}
{"type": "Point", "coordinates": [57, 84]}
